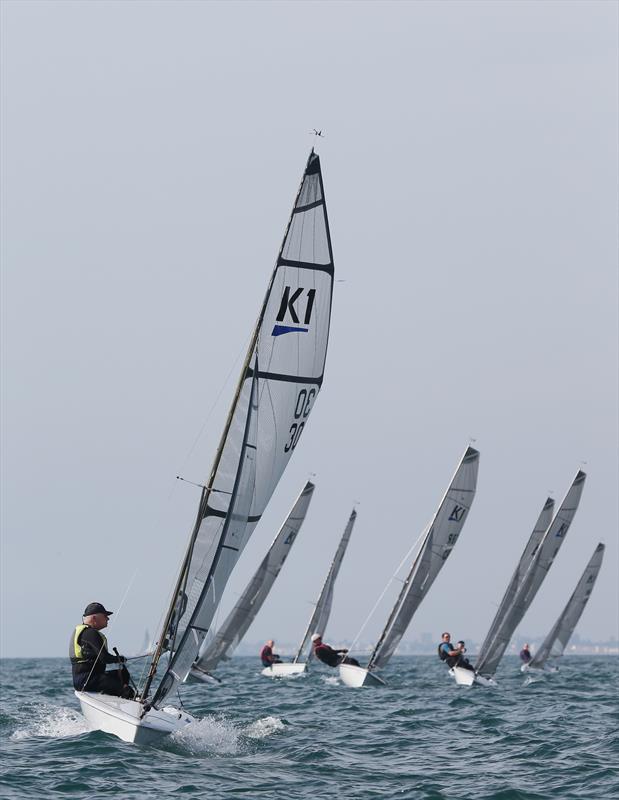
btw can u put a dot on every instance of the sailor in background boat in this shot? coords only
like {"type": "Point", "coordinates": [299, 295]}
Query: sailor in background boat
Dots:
{"type": "Point", "coordinates": [454, 656]}
{"type": "Point", "coordinates": [328, 655]}
{"type": "Point", "coordinates": [525, 654]}
{"type": "Point", "coordinates": [267, 656]}
{"type": "Point", "coordinates": [89, 655]}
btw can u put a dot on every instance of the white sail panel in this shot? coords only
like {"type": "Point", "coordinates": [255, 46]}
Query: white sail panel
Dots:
{"type": "Point", "coordinates": [487, 662]}
{"type": "Point", "coordinates": [322, 612]}
{"type": "Point", "coordinates": [435, 549]}
{"type": "Point", "coordinates": [531, 547]}
{"type": "Point", "coordinates": [284, 367]}
{"type": "Point", "coordinates": [250, 602]}
{"type": "Point", "coordinates": [555, 643]}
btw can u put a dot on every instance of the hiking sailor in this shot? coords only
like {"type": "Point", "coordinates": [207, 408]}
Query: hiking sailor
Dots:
{"type": "Point", "coordinates": [267, 656]}
{"type": "Point", "coordinates": [89, 655]}
{"type": "Point", "coordinates": [328, 655]}
{"type": "Point", "coordinates": [454, 656]}
{"type": "Point", "coordinates": [525, 654]}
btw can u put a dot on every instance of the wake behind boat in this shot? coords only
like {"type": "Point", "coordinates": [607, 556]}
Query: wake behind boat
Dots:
{"type": "Point", "coordinates": [439, 541]}
{"type": "Point", "coordinates": [281, 377]}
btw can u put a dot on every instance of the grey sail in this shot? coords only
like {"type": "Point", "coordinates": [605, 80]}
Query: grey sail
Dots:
{"type": "Point", "coordinates": [436, 547]}
{"type": "Point", "coordinates": [543, 558]}
{"type": "Point", "coordinates": [541, 526]}
{"type": "Point", "coordinates": [322, 611]}
{"type": "Point", "coordinates": [280, 379]}
{"type": "Point", "coordinates": [250, 602]}
{"type": "Point", "coordinates": [555, 643]}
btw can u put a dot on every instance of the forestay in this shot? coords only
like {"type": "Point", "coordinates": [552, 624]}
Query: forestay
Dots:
{"type": "Point", "coordinates": [279, 382]}
{"type": "Point", "coordinates": [488, 660]}
{"type": "Point", "coordinates": [555, 643]}
{"type": "Point", "coordinates": [541, 526]}
{"type": "Point", "coordinates": [438, 543]}
{"type": "Point", "coordinates": [322, 612]}
{"type": "Point", "coordinates": [250, 602]}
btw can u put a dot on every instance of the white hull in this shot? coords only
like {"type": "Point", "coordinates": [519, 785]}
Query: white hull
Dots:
{"type": "Point", "coordinates": [284, 670]}
{"type": "Point", "coordinates": [201, 675]}
{"type": "Point", "coordinates": [358, 676]}
{"type": "Point", "coordinates": [123, 718]}
{"type": "Point", "coordinates": [529, 668]}
{"type": "Point", "coordinates": [466, 677]}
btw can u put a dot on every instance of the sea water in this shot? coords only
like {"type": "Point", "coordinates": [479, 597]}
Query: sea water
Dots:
{"type": "Point", "coordinates": [420, 737]}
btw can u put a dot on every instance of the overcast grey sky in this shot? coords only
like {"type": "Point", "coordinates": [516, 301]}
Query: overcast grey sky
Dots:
{"type": "Point", "coordinates": [151, 152]}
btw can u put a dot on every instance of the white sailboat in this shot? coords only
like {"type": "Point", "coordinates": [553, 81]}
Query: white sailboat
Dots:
{"type": "Point", "coordinates": [320, 616]}
{"type": "Point", "coordinates": [554, 644]}
{"type": "Point", "coordinates": [533, 567]}
{"type": "Point", "coordinates": [439, 541]}
{"type": "Point", "coordinates": [238, 621]}
{"type": "Point", "coordinates": [280, 379]}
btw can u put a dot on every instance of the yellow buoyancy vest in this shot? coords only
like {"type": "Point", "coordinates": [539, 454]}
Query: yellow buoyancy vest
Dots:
{"type": "Point", "coordinates": [76, 653]}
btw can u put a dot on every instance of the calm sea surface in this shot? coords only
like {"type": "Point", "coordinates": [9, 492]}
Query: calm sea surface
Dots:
{"type": "Point", "coordinates": [308, 737]}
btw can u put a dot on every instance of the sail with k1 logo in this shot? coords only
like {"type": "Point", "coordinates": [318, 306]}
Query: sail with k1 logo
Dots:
{"type": "Point", "coordinates": [279, 383]}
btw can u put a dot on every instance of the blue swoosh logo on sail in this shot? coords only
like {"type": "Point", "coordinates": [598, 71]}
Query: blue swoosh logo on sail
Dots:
{"type": "Point", "coordinates": [279, 330]}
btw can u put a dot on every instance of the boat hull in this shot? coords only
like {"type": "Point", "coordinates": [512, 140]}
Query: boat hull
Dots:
{"type": "Point", "coordinates": [284, 670]}
{"type": "Point", "coordinates": [201, 675]}
{"type": "Point", "coordinates": [466, 677]}
{"type": "Point", "coordinates": [356, 677]}
{"type": "Point", "coordinates": [123, 718]}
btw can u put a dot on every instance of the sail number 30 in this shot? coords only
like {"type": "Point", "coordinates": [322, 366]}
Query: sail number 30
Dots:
{"type": "Point", "coordinates": [301, 412]}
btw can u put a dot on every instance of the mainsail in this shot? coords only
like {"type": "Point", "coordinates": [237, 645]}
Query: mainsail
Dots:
{"type": "Point", "coordinates": [555, 643]}
{"type": "Point", "coordinates": [438, 543]}
{"type": "Point", "coordinates": [322, 612]}
{"type": "Point", "coordinates": [543, 557]}
{"type": "Point", "coordinates": [250, 602]}
{"type": "Point", "coordinates": [280, 379]}
{"type": "Point", "coordinates": [541, 526]}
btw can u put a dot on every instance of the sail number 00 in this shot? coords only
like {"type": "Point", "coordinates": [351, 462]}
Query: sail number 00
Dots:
{"type": "Point", "coordinates": [301, 411]}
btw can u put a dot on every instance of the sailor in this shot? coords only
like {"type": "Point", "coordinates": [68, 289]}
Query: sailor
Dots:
{"type": "Point", "coordinates": [267, 656]}
{"type": "Point", "coordinates": [328, 655]}
{"type": "Point", "coordinates": [89, 655]}
{"type": "Point", "coordinates": [454, 656]}
{"type": "Point", "coordinates": [525, 654]}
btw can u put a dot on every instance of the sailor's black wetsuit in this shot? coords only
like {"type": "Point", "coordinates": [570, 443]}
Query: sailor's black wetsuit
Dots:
{"type": "Point", "coordinates": [331, 657]}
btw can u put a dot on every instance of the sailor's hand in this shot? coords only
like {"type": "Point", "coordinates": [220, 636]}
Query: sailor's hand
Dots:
{"type": "Point", "coordinates": [122, 660]}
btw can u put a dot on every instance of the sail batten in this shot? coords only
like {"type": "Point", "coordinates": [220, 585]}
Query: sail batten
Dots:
{"type": "Point", "coordinates": [280, 380]}
{"type": "Point", "coordinates": [442, 535]}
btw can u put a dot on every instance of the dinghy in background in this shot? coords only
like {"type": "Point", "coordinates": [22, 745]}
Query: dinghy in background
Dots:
{"type": "Point", "coordinates": [320, 615]}
{"type": "Point", "coordinates": [238, 621]}
{"type": "Point", "coordinates": [439, 541]}
{"type": "Point", "coordinates": [281, 377]}
{"type": "Point", "coordinates": [553, 646]}
{"type": "Point", "coordinates": [536, 560]}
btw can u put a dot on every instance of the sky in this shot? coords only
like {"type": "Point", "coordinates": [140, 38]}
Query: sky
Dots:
{"type": "Point", "coordinates": [151, 152]}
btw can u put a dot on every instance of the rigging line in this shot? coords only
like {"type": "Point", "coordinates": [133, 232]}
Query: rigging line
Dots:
{"type": "Point", "coordinates": [389, 582]}
{"type": "Point", "coordinates": [212, 408]}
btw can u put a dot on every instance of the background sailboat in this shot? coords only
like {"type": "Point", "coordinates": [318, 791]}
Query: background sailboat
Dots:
{"type": "Point", "coordinates": [510, 613]}
{"type": "Point", "coordinates": [320, 616]}
{"type": "Point", "coordinates": [554, 644]}
{"type": "Point", "coordinates": [238, 621]}
{"type": "Point", "coordinates": [435, 548]}
{"type": "Point", "coordinates": [280, 379]}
